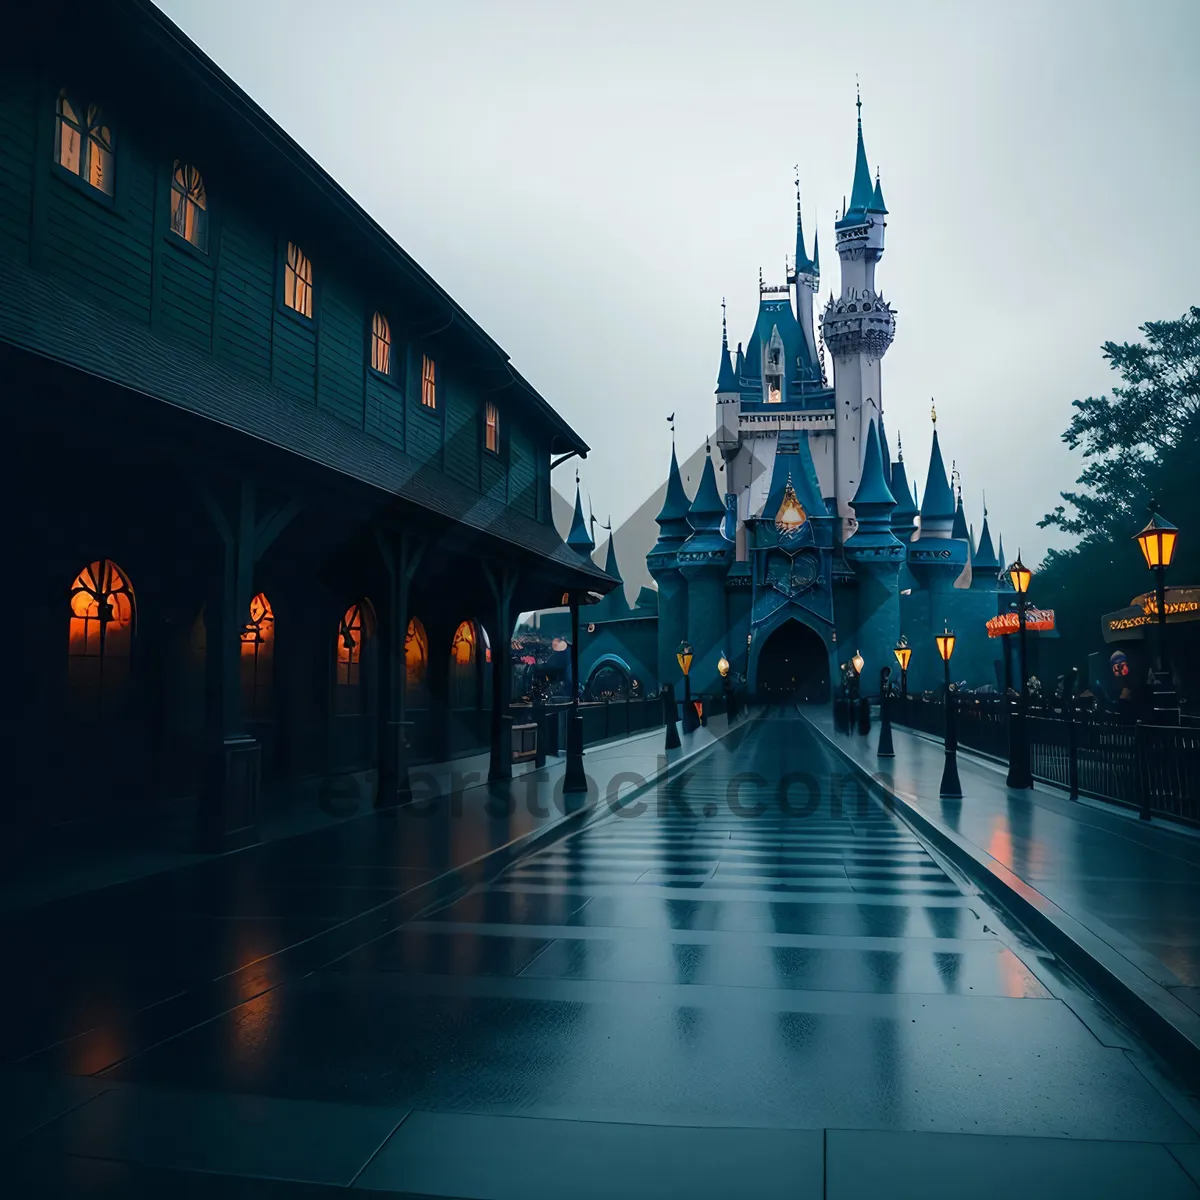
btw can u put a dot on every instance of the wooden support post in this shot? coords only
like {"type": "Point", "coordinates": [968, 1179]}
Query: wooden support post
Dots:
{"type": "Point", "coordinates": [503, 583]}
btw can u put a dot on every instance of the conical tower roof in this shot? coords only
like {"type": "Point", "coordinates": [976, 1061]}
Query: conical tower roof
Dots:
{"type": "Point", "coordinates": [904, 515]}
{"type": "Point", "coordinates": [804, 264]}
{"type": "Point", "coordinates": [938, 502]}
{"type": "Point", "coordinates": [726, 376]}
{"type": "Point", "coordinates": [985, 554]}
{"type": "Point", "coordinates": [708, 509]}
{"type": "Point", "coordinates": [863, 191]}
{"type": "Point", "coordinates": [610, 558]}
{"type": "Point", "coordinates": [579, 539]}
{"type": "Point", "coordinates": [960, 529]}
{"type": "Point", "coordinates": [873, 502]}
{"type": "Point", "coordinates": [877, 205]}
{"type": "Point", "coordinates": [675, 503]}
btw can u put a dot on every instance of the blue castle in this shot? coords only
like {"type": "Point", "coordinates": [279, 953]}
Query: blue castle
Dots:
{"type": "Point", "coordinates": [804, 543]}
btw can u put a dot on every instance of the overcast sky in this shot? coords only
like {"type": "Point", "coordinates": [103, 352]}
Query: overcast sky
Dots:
{"type": "Point", "coordinates": [589, 179]}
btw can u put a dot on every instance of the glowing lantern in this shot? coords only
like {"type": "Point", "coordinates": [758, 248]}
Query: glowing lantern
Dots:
{"type": "Point", "coordinates": [1158, 539]}
{"type": "Point", "coordinates": [859, 662]}
{"type": "Point", "coordinates": [903, 653]}
{"type": "Point", "coordinates": [723, 666]}
{"type": "Point", "coordinates": [945, 645]}
{"type": "Point", "coordinates": [1020, 575]}
{"type": "Point", "coordinates": [684, 657]}
{"type": "Point", "coordinates": [791, 514]}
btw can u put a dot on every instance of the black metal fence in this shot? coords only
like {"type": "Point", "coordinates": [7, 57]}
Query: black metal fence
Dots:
{"type": "Point", "coordinates": [1155, 768]}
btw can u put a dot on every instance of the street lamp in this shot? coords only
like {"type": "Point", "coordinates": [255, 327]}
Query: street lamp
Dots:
{"type": "Point", "coordinates": [903, 653]}
{"type": "Point", "coordinates": [726, 687]}
{"type": "Point", "coordinates": [885, 749]}
{"type": "Point", "coordinates": [1019, 774]}
{"type": "Point", "coordinates": [1157, 541]}
{"type": "Point", "coordinates": [684, 657]}
{"type": "Point", "coordinates": [951, 789]}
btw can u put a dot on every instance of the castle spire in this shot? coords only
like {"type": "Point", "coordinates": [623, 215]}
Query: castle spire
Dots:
{"type": "Point", "coordinates": [937, 505]}
{"type": "Point", "coordinates": [877, 205]}
{"type": "Point", "coordinates": [579, 539]}
{"type": "Point", "coordinates": [804, 265]}
{"type": "Point", "coordinates": [726, 378]}
{"type": "Point", "coordinates": [862, 193]}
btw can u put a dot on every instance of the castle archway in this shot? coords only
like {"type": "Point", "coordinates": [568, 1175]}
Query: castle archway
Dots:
{"type": "Point", "coordinates": [793, 665]}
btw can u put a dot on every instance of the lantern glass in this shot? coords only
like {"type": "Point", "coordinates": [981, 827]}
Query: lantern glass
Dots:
{"type": "Point", "coordinates": [1158, 539]}
{"type": "Point", "coordinates": [723, 666]}
{"type": "Point", "coordinates": [859, 662]}
{"type": "Point", "coordinates": [1020, 575]}
{"type": "Point", "coordinates": [903, 653]}
{"type": "Point", "coordinates": [684, 657]}
{"type": "Point", "coordinates": [945, 645]}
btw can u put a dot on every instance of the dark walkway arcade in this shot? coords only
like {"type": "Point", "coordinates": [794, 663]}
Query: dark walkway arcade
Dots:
{"type": "Point", "coordinates": [688, 1001]}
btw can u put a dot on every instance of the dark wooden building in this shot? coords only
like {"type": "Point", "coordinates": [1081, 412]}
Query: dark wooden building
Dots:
{"type": "Point", "coordinates": [272, 498]}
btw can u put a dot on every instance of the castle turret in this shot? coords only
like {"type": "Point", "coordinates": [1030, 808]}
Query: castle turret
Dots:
{"type": "Point", "coordinates": [857, 327]}
{"type": "Point", "coordinates": [937, 505]}
{"type": "Point", "coordinates": [729, 396]}
{"type": "Point", "coordinates": [876, 555]}
{"type": "Point", "coordinates": [985, 567]}
{"type": "Point", "coordinates": [806, 277]}
{"type": "Point", "coordinates": [703, 560]}
{"type": "Point", "coordinates": [663, 564]}
{"type": "Point", "coordinates": [614, 605]}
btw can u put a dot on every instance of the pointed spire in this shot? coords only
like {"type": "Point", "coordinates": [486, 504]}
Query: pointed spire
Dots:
{"type": "Point", "coordinates": [960, 529]}
{"type": "Point", "coordinates": [726, 379]}
{"type": "Point", "coordinates": [877, 205]}
{"type": "Point", "coordinates": [937, 505]}
{"type": "Point", "coordinates": [579, 539]}
{"type": "Point", "coordinates": [816, 255]}
{"type": "Point", "coordinates": [804, 265]}
{"type": "Point", "coordinates": [873, 502]}
{"type": "Point", "coordinates": [610, 559]}
{"type": "Point", "coordinates": [740, 365]}
{"type": "Point", "coordinates": [675, 503]}
{"type": "Point", "coordinates": [985, 555]}
{"type": "Point", "coordinates": [862, 192]}
{"type": "Point", "coordinates": [708, 503]}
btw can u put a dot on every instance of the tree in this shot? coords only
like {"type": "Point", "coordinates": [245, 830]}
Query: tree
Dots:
{"type": "Point", "coordinates": [1131, 438]}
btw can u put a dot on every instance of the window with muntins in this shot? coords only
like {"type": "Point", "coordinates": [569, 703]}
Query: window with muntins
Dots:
{"type": "Point", "coordinates": [492, 427]}
{"type": "Point", "coordinates": [428, 382]}
{"type": "Point", "coordinates": [101, 633]}
{"type": "Point", "coordinates": [83, 142]}
{"type": "Point", "coordinates": [258, 660]}
{"type": "Point", "coordinates": [189, 206]}
{"type": "Point", "coordinates": [297, 281]}
{"type": "Point", "coordinates": [381, 345]}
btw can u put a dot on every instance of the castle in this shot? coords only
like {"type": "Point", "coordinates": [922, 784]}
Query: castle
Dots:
{"type": "Point", "coordinates": [804, 543]}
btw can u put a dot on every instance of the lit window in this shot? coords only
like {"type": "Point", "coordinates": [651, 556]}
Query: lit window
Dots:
{"type": "Point", "coordinates": [416, 657]}
{"type": "Point", "coordinates": [297, 281]}
{"type": "Point", "coordinates": [357, 625]}
{"type": "Point", "coordinates": [462, 649]}
{"type": "Point", "coordinates": [101, 634]}
{"type": "Point", "coordinates": [428, 382]}
{"type": "Point", "coordinates": [492, 431]}
{"type": "Point", "coordinates": [189, 206]}
{"type": "Point", "coordinates": [83, 143]}
{"type": "Point", "coordinates": [464, 676]}
{"type": "Point", "coordinates": [381, 344]}
{"type": "Point", "coordinates": [258, 657]}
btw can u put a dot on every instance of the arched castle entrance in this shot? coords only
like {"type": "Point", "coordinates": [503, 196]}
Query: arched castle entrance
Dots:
{"type": "Point", "coordinates": [793, 664]}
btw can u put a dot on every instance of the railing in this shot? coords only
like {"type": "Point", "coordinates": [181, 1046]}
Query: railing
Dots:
{"type": "Point", "coordinates": [1155, 768]}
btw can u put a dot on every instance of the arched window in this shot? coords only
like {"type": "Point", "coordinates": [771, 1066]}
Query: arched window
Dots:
{"type": "Point", "coordinates": [381, 344]}
{"type": "Point", "coordinates": [189, 206]}
{"type": "Point", "coordinates": [258, 659]}
{"type": "Point", "coordinates": [416, 658]}
{"type": "Point", "coordinates": [428, 382]}
{"type": "Point", "coordinates": [297, 281]}
{"type": "Point", "coordinates": [492, 427]}
{"type": "Point", "coordinates": [100, 638]}
{"type": "Point", "coordinates": [83, 142]}
{"type": "Point", "coordinates": [356, 628]}
{"type": "Point", "coordinates": [462, 648]}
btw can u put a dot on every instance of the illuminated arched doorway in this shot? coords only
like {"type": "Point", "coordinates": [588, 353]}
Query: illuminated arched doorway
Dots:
{"type": "Point", "coordinates": [100, 639]}
{"type": "Point", "coordinates": [464, 676]}
{"type": "Point", "coordinates": [610, 679]}
{"type": "Point", "coordinates": [416, 664]}
{"type": "Point", "coordinates": [258, 661]}
{"type": "Point", "coordinates": [793, 665]}
{"type": "Point", "coordinates": [352, 732]}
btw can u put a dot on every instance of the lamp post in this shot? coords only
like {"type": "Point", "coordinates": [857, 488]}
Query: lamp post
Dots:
{"type": "Point", "coordinates": [860, 711]}
{"type": "Point", "coordinates": [727, 687]}
{"type": "Point", "coordinates": [903, 653]}
{"type": "Point", "coordinates": [683, 656]}
{"type": "Point", "coordinates": [574, 778]}
{"type": "Point", "coordinates": [1019, 774]}
{"type": "Point", "coordinates": [1157, 541]}
{"type": "Point", "coordinates": [951, 789]}
{"type": "Point", "coordinates": [885, 721]}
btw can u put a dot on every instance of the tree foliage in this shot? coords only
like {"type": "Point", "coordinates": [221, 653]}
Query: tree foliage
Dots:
{"type": "Point", "coordinates": [1130, 437]}
{"type": "Point", "coordinates": [1142, 442]}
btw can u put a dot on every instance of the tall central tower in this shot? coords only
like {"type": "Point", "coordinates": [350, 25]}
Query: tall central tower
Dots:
{"type": "Point", "coordinates": [858, 327]}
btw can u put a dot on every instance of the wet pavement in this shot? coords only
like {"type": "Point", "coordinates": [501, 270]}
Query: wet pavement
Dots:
{"type": "Point", "coordinates": [751, 981]}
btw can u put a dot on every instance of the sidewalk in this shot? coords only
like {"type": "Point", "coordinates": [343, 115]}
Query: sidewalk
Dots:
{"type": "Point", "coordinates": [1116, 898]}
{"type": "Point", "coordinates": [63, 872]}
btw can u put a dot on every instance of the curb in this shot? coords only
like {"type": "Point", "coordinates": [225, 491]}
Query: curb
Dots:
{"type": "Point", "coordinates": [1168, 1024]}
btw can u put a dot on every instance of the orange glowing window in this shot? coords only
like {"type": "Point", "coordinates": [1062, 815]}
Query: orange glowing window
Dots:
{"type": "Point", "coordinates": [189, 206]}
{"type": "Point", "coordinates": [258, 659]}
{"type": "Point", "coordinates": [381, 344]}
{"type": "Point", "coordinates": [100, 638]}
{"type": "Point", "coordinates": [492, 428]}
{"type": "Point", "coordinates": [416, 656]}
{"type": "Point", "coordinates": [298, 281]}
{"type": "Point", "coordinates": [83, 142]}
{"type": "Point", "coordinates": [428, 382]}
{"type": "Point", "coordinates": [462, 649]}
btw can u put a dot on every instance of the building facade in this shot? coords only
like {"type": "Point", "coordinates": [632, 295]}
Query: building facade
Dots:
{"type": "Point", "coordinates": [274, 499]}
